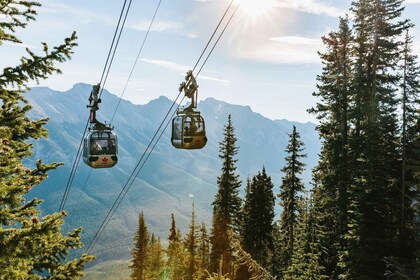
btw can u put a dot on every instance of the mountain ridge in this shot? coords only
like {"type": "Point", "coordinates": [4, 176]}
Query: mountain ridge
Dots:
{"type": "Point", "coordinates": [170, 177]}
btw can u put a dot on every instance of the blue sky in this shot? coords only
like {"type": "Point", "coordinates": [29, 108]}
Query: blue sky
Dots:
{"type": "Point", "coordinates": [266, 60]}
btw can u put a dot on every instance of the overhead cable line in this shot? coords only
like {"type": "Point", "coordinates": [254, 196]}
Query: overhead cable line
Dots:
{"type": "Point", "coordinates": [107, 66]}
{"type": "Point", "coordinates": [125, 87]}
{"type": "Point", "coordinates": [137, 58]}
{"type": "Point", "coordinates": [141, 164]}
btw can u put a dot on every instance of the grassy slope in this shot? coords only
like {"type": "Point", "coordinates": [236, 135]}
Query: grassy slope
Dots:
{"type": "Point", "coordinates": [109, 270]}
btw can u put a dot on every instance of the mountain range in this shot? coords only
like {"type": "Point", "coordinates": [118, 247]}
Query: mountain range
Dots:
{"type": "Point", "coordinates": [171, 179]}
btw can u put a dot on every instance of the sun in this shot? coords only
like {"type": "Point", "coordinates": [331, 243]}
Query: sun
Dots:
{"type": "Point", "coordinates": [256, 8]}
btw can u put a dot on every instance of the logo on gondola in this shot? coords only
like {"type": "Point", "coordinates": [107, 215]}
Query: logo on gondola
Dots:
{"type": "Point", "coordinates": [104, 160]}
{"type": "Point", "coordinates": [197, 141]}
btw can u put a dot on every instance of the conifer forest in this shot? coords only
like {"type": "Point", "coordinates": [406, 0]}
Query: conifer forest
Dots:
{"type": "Point", "coordinates": [359, 219]}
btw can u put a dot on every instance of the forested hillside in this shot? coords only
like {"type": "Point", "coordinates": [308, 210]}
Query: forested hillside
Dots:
{"type": "Point", "coordinates": [361, 221]}
{"type": "Point", "coordinates": [169, 177]}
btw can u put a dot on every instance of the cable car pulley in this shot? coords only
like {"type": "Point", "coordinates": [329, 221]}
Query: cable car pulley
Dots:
{"type": "Point", "coordinates": [100, 148]}
{"type": "Point", "coordinates": [188, 127]}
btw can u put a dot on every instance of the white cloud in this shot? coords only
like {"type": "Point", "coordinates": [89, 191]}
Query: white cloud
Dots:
{"type": "Point", "coordinates": [167, 64]}
{"type": "Point", "coordinates": [284, 50]}
{"type": "Point", "coordinates": [182, 69]}
{"type": "Point", "coordinates": [412, 1]}
{"type": "Point", "coordinates": [156, 26]}
{"type": "Point", "coordinates": [312, 7]}
{"type": "Point", "coordinates": [222, 81]}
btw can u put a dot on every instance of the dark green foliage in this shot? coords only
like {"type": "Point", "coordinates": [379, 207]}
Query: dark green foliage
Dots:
{"type": "Point", "coordinates": [227, 203]}
{"type": "Point", "coordinates": [30, 245]}
{"type": "Point", "coordinates": [333, 174]}
{"type": "Point", "coordinates": [258, 216]}
{"type": "Point", "coordinates": [363, 204]}
{"type": "Point", "coordinates": [290, 197]}
{"type": "Point", "coordinates": [190, 244]}
{"type": "Point", "coordinates": [305, 261]}
{"type": "Point", "coordinates": [140, 251]}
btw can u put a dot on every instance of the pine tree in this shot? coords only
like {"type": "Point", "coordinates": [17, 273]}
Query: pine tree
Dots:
{"type": "Point", "coordinates": [375, 135]}
{"type": "Point", "coordinates": [31, 245]}
{"type": "Point", "coordinates": [290, 195]}
{"type": "Point", "coordinates": [190, 244]}
{"type": "Point", "coordinates": [227, 203]}
{"type": "Point", "coordinates": [176, 258]}
{"type": "Point", "coordinates": [154, 265]}
{"type": "Point", "coordinates": [333, 175]}
{"type": "Point", "coordinates": [258, 216]}
{"type": "Point", "coordinates": [407, 240]}
{"type": "Point", "coordinates": [203, 252]}
{"type": "Point", "coordinates": [140, 250]}
{"type": "Point", "coordinates": [305, 262]}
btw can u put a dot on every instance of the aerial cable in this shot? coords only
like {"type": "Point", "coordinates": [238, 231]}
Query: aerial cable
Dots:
{"type": "Point", "coordinates": [212, 35]}
{"type": "Point", "coordinates": [132, 70]}
{"type": "Point", "coordinates": [113, 41]}
{"type": "Point", "coordinates": [131, 179]}
{"type": "Point", "coordinates": [137, 58]}
{"type": "Point", "coordinates": [112, 50]}
{"type": "Point", "coordinates": [141, 164]}
{"type": "Point", "coordinates": [71, 215]}
{"type": "Point", "coordinates": [115, 48]}
{"type": "Point", "coordinates": [73, 171]}
{"type": "Point", "coordinates": [217, 41]}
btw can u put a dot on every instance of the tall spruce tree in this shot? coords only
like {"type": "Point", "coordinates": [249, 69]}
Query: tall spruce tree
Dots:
{"type": "Point", "coordinates": [140, 251]}
{"type": "Point", "coordinates": [258, 218]}
{"type": "Point", "coordinates": [333, 175]}
{"type": "Point", "coordinates": [407, 238]}
{"type": "Point", "coordinates": [154, 265]}
{"type": "Point", "coordinates": [203, 252]}
{"type": "Point", "coordinates": [227, 203]}
{"type": "Point", "coordinates": [190, 244]}
{"type": "Point", "coordinates": [290, 195]}
{"type": "Point", "coordinates": [359, 197]}
{"type": "Point", "coordinates": [31, 245]}
{"type": "Point", "coordinates": [305, 262]}
{"type": "Point", "coordinates": [375, 135]}
{"type": "Point", "coordinates": [176, 258]}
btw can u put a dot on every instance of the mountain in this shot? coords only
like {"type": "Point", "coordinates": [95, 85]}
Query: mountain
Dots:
{"type": "Point", "coordinates": [169, 178]}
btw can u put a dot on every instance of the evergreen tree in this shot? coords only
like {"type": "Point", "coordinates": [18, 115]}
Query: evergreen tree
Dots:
{"type": "Point", "coordinates": [360, 191]}
{"type": "Point", "coordinates": [176, 261]}
{"type": "Point", "coordinates": [305, 262]}
{"type": "Point", "coordinates": [203, 252]}
{"type": "Point", "coordinates": [140, 251]}
{"type": "Point", "coordinates": [333, 175]}
{"type": "Point", "coordinates": [375, 136]}
{"type": "Point", "coordinates": [227, 203]}
{"type": "Point", "coordinates": [258, 216]}
{"type": "Point", "coordinates": [190, 244]}
{"type": "Point", "coordinates": [407, 239]}
{"type": "Point", "coordinates": [154, 265]}
{"type": "Point", "coordinates": [290, 195]}
{"type": "Point", "coordinates": [31, 245]}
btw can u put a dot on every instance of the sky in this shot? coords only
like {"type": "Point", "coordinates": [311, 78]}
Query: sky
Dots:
{"type": "Point", "coordinates": [266, 59]}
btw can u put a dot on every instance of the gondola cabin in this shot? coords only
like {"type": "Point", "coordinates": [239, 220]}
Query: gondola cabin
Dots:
{"type": "Point", "coordinates": [188, 131]}
{"type": "Point", "coordinates": [100, 149]}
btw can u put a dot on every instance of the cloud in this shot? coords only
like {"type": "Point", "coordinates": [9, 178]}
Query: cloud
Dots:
{"type": "Point", "coordinates": [157, 26]}
{"type": "Point", "coordinates": [167, 64]}
{"type": "Point", "coordinates": [221, 81]}
{"type": "Point", "coordinates": [312, 7]}
{"type": "Point", "coordinates": [284, 50]}
{"type": "Point", "coordinates": [182, 69]}
{"type": "Point", "coordinates": [412, 1]}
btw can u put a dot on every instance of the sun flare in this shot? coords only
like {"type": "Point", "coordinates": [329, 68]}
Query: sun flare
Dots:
{"type": "Point", "coordinates": [256, 8]}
